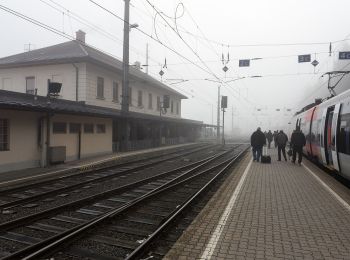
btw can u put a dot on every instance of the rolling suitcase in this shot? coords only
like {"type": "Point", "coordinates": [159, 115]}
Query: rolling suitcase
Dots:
{"type": "Point", "coordinates": [265, 158]}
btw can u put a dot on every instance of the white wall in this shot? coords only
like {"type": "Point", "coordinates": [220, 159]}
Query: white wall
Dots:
{"type": "Point", "coordinates": [14, 79]}
{"type": "Point", "coordinates": [91, 144]}
{"type": "Point", "coordinates": [24, 149]}
{"type": "Point", "coordinates": [94, 71]}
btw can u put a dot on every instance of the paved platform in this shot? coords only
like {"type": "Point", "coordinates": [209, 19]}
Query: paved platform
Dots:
{"type": "Point", "coordinates": [35, 174]}
{"type": "Point", "coordinates": [275, 211]}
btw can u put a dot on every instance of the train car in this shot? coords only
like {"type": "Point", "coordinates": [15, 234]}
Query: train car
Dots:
{"type": "Point", "coordinates": [327, 130]}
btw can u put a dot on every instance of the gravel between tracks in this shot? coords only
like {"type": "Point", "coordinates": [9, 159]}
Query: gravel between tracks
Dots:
{"type": "Point", "coordinates": [92, 189]}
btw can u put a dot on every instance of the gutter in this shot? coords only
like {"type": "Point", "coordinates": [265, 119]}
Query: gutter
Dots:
{"type": "Point", "coordinates": [76, 81]}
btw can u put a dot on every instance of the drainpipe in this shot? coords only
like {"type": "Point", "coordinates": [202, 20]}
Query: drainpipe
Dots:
{"type": "Point", "coordinates": [76, 81]}
{"type": "Point", "coordinates": [48, 139]}
{"type": "Point", "coordinates": [79, 145]}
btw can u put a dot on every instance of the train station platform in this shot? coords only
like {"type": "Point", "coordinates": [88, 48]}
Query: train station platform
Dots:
{"type": "Point", "coordinates": [18, 177]}
{"type": "Point", "coordinates": [271, 211]}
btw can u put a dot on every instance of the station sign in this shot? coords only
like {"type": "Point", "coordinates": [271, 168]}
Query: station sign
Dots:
{"type": "Point", "coordinates": [315, 63]}
{"type": "Point", "coordinates": [304, 58]}
{"type": "Point", "coordinates": [244, 63]}
{"type": "Point", "coordinates": [344, 55]}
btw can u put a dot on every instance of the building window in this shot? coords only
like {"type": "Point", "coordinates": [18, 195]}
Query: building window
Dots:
{"type": "Point", "coordinates": [177, 108]}
{"type": "Point", "coordinates": [100, 87]}
{"type": "Point", "coordinates": [150, 101]}
{"type": "Point", "coordinates": [7, 83]}
{"type": "Point", "coordinates": [139, 98]}
{"type": "Point", "coordinates": [172, 106]}
{"type": "Point", "coordinates": [88, 128]}
{"type": "Point", "coordinates": [158, 103]}
{"type": "Point", "coordinates": [74, 128]}
{"type": "Point", "coordinates": [4, 135]}
{"type": "Point", "coordinates": [59, 128]}
{"type": "Point", "coordinates": [130, 96]}
{"type": "Point", "coordinates": [115, 92]}
{"type": "Point", "coordinates": [30, 85]}
{"type": "Point", "coordinates": [101, 128]}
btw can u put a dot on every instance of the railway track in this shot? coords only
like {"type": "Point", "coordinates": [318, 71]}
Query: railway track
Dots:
{"type": "Point", "coordinates": [122, 221]}
{"type": "Point", "coordinates": [49, 191]}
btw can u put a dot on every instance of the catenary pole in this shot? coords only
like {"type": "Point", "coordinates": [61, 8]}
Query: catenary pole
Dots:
{"type": "Point", "coordinates": [125, 83]}
{"type": "Point", "coordinates": [218, 117]}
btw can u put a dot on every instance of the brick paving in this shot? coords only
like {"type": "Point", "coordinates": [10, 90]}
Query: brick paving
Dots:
{"type": "Point", "coordinates": [282, 212]}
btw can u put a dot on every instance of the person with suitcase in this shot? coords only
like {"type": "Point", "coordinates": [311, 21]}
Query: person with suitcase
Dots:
{"type": "Point", "coordinates": [257, 140]}
{"type": "Point", "coordinates": [265, 158]}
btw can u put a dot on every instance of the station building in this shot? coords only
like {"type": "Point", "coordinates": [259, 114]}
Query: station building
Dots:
{"type": "Point", "coordinates": [84, 120]}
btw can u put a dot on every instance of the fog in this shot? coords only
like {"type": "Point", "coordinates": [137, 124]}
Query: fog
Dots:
{"type": "Point", "coordinates": [195, 34]}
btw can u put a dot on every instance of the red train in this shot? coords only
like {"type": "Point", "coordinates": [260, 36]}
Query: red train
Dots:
{"type": "Point", "coordinates": [327, 130]}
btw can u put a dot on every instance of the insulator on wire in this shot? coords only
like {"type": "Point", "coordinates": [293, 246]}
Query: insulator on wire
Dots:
{"type": "Point", "coordinates": [330, 49]}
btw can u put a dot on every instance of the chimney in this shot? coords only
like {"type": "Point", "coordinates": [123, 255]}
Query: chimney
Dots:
{"type": "Point", "coordinates": [137, 65]}
{"type": "Point", "coordinates": [80, 36]}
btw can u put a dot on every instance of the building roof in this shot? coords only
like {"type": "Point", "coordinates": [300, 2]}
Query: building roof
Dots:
{"type": "Point", "coordinates": [74, 51]}
{"type": "Point", "coordinates": [22, 101]}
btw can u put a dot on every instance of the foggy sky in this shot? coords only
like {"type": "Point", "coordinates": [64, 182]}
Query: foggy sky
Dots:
{"type": "Point", "coordinates": [208, 27]}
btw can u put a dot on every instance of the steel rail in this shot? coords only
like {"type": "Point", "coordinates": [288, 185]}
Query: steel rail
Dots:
{"type": "Point", "coordinates": [172, 217]}
{"type": "Point", "coordinates": [34, 251]}
{"type": "Point", "coordinates": [102, 167]}
{"type": "Point", "coordinates": [83, 183]}
{"type": "Point", "coordinates": [30, 218]}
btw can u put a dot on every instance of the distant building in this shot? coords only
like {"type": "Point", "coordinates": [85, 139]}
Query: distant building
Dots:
{"type": "Point", "coordinates": [84, 120]}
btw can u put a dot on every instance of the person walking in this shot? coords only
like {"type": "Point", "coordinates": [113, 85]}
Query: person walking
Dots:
{"type": "Point", "coordinates": [257, 140]}
{"type": "Point", "coordinates": [274, 138]}
{"type": "Point", "coordinates": [269, 138]}
{"type": "Point", "coordinates": [298, 141]}
{"type": "Point", "coordinates": [281, 140]}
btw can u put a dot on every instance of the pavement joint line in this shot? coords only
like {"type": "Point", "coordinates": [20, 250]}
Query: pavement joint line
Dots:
{"type": "Point", "coordinates": [329, 189]}
{"type": "Point", "coordinates": [214, 239]}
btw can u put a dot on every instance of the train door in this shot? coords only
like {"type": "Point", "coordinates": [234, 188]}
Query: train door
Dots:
{"type": "Point", "coordinates": [335, 132]}
{"type": "Point", "coordinates": [322, 134]}
{"type": "Point", "coordinates": [327, 136]}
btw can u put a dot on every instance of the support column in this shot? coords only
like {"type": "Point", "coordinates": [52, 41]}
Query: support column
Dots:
{"type": "Point", "coordinates": [125, 83]}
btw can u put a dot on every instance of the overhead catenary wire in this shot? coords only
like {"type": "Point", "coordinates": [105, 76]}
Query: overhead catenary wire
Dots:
{"type": "Point", "coordinates": [176, 52]}
{"type": "Point", "coordinates": [154, 39]}
{"type": "Point", "coordinates": [50, 28]}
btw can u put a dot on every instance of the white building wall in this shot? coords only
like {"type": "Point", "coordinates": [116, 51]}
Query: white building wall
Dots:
{"type": "Point", "coordinates": [93, 72]}
{"type": "Point", "coordinates": [14, 79]}
{"type": "Point", "coordinates": [91, 144]}
{"type": "Point", "coordinates": [24, 150]}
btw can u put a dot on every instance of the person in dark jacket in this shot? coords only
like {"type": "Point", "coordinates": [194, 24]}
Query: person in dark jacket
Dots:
{"type": "Point", "coordinates": [269, 138]}
{"type": "Point", "coordinates": [281, 140]}
{"type": "Point", "coordinates": [275, 133]}
{"type": "Point", "coordinates": [297, 141]}
{"type": "Point", "coordinates": [257, 140]}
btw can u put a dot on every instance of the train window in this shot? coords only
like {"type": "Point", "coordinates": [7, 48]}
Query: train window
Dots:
{"type": "Point", "coordinates": [343, 140]}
